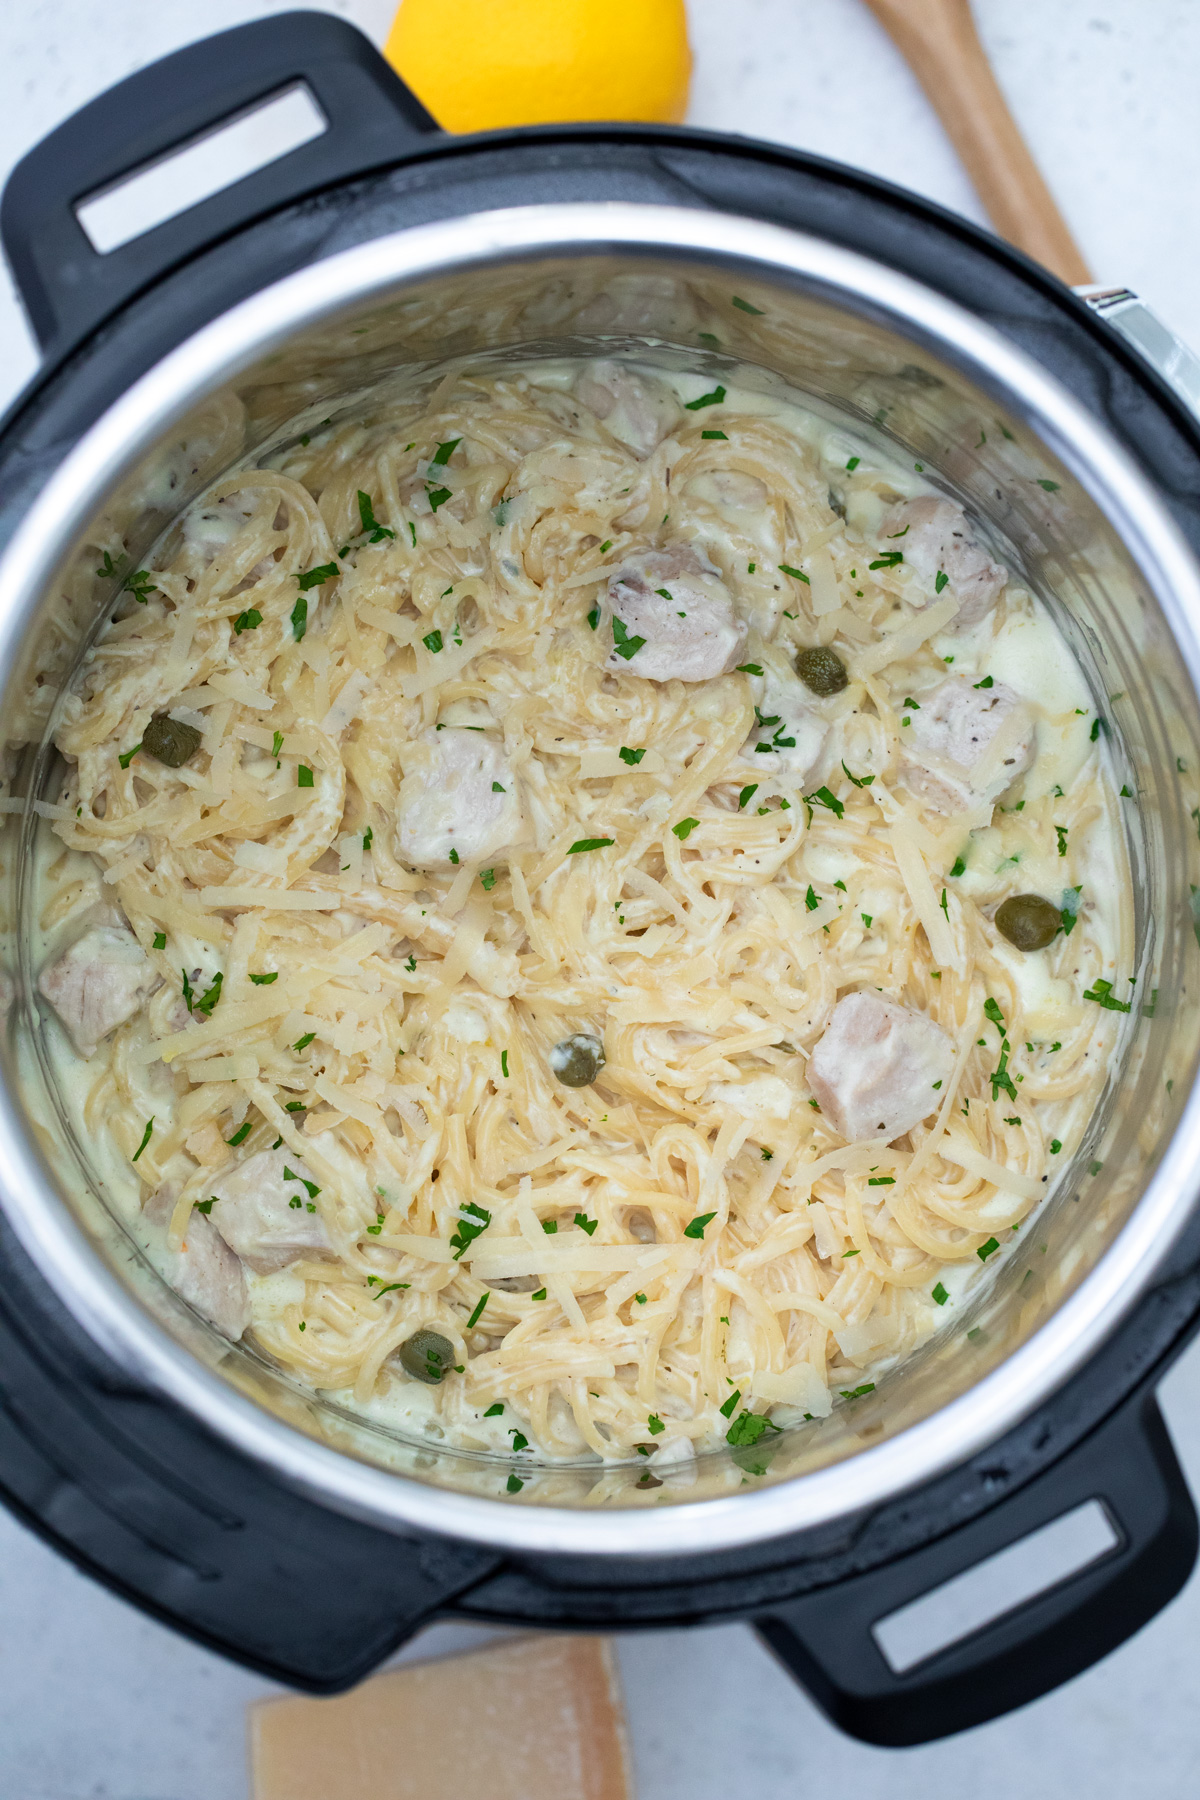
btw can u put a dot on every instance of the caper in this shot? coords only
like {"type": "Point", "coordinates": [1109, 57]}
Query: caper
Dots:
{"type": "Point", "coordinates": [822, 670]}
{"type": "Point", "coordinates": [1028, 921]}
{"type": "Point", "coordinates": [170, 741]}
{"type": "Point", "coordinates": [427, 1356]}
{"type": "Point", "coordinates": [577, 1060]}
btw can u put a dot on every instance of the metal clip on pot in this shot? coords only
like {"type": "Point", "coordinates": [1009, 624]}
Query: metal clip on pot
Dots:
{"type": "Point", "coordinates": [830, 1638]}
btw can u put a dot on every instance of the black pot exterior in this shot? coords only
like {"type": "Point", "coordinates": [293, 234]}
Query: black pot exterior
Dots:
{"type": "Point", "coordinates": [147, 1500]}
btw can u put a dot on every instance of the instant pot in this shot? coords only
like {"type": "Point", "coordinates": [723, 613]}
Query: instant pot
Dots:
{"type": "Point", "coordinates": [189, 1475]}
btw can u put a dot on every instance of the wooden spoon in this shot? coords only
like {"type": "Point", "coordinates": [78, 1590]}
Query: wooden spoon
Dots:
{"type": "Point", "coordinates": [938, 40]}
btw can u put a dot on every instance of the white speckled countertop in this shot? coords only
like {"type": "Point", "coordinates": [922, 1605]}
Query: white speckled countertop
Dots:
{"type": "Point", "coordinates": [98, 1703]}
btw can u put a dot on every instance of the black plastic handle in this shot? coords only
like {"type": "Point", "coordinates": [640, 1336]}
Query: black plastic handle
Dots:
{"type": "Point", "coordinates": [1129, 1464]}
{"type": "Point", "coordinates": [67, 286]}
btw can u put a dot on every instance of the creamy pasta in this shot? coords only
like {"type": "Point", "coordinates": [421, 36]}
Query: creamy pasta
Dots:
{"type": "Point", "coordinates": [544, 918]}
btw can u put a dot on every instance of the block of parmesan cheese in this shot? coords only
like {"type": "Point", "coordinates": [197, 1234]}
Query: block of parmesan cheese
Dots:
{"type": "Point", "coordinates": [529, 1718]}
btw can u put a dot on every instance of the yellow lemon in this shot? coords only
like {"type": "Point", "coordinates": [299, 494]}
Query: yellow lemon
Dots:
{"type": "Point", "coordinates": [481, 64]}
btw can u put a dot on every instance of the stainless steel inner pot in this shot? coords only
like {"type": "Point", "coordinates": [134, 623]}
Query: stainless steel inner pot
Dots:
{"type": "Point", "coordinates": [924, 379]}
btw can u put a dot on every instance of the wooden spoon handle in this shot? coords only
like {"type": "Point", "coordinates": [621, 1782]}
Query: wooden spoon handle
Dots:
{"type": "Point", "coordinates": [938, 40]}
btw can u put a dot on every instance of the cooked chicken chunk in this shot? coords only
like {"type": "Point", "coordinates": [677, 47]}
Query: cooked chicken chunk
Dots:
{"type": "Point", "coordinates": [636, 409]}
{"type": "Point", "coordinates": [98, 983]}
{"type": "Point", "coordinates": [458, 802]}
{"type": "Point", "coordinates": [935, 538]}
{"type": "Point", "coordinates": [789, 733]}
{"type": "Point", "coordinates": [204, 1271]}
{"type": "Point", "coordinates": [681, 610]}
{"type": "Point", "coordinates": [965, 744]}
{"type": "Point", "coordinates": [879, 1069]}
{"type": "Point", "coordinates": [266, 1213]}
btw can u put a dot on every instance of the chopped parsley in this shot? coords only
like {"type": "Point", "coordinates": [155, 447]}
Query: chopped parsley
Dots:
{"type": "Point", "coordinates": [1000, 1078]}
{"type": "Point", "coordinates": [747, 793]}
{"type": "Point", "coordinates": [487, 880]}
{"type": "Point", "coordinates": [437, 497]}
{"type": "Point", "coordinates": [940, 580]}
{"type": "Point", "coordinates": [796, 574]}
{"type": "Point", "coordinates": [504, 1063]}
{"type": "Point", "coordinates": [586, 1224]}
{"type": "Point", "coordinates": [160, 940]}
{"type": "Point", "coordinates": [715, 434]}
{"type": "Point", "coordinates": [469, 1228]}
{"type": "Point", "coordinates": [432, 642]}
{"type": "Point", "coordinates": [987, 682]}
{"type": "Point", "coordinates": [823, 797]}
{"type": "Point", "coordinates": [631, 757]}
{"type": "Point", "coordinates": [593, 617]}
{"type": "Point", "coordinates": [474, 1320]}
{"type": "Point", "coordinates": [582, 844]}
{"type": "Point", "coordinates": [810, 899]}
{"type": "Point", "coordinates": [960, 866]}
{"type": "Point", "coordinates": [853, 464]}
{"type": "Point", "coordinates": [624, 646]}
{"type": "Point", "coordinates": [860, 781]}
{"type": "Point", "coordinates": [988, 1249]}
{"type": "Point", "coordinates": [991, 1010]}
{"type": "Point", "coordinates": [1070, 909]}
{"type": "Point", "coordinates": [695, 1227]}
{"type": "Point", "coordinates": [538, 1294]}
{"type": "Point", "coordinates": [729, 1407]}
{"type": "Point", "coordinates": [685, 828]}
{"type": "Point", "coordinates": [749, 668]}
{"type": "Point", "coordinates": [745, 306]}
{"type": "Point", "coordinates": [711, 399]}
{"type": "Point", "coordinates": [304, 775]}
{"type": "Point", "coordinates": [881, 1181]}
{"type": "Point", "coordinates": [127, 756]}
{"type": "Point", "coordinates": [868, 1387]}
{"type": "Point", "coordinates": [1051, 487]}
{"type": "Point", "coordinates": [206, 1001]}
{"type": "Point", "coordinates": [206, 1206]}
{"type": "Point", "coordinates": [494, 1411]}
{"type": "Point", "coordinates": [1103, 995]}
{"type": "Point", "coordinates": [444, 452]}
{"type": "Point", "coordinates": [887, 560]}
{"type": "Point", "coordinates": [299, 622]}
{"type": "Point", "coordinates": [146, 1136]}
{"type": "Point", "coordinates": [370, 523]}
{"type": "Point", "coordinates": [265, 980]}
{"type": "Point", "coordinates": [514, 1484]}
{"type": "Point", "coordinates": [866, 919]}
{"type": "Point", "coordinates": [1098, 725]}
{"type": "Point", "coordinates": [1055, 1146]}
{"type": "Point", "coordinates": [748, 1427]}
{"type": "Point", "coordinates": [314, 578]}
{"type": "Point", "coordinates": [940, 1295]}
{"type": "Point", "coordinates": [303, 1042]}
{"type": "Point", "coordinates": [454, 857]}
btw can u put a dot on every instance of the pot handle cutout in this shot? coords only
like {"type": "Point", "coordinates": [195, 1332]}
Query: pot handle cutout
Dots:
{"type": "Point", "coordinates": [1118, 1504]}
{"type": "Point", "coordinates": [365, 118]}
